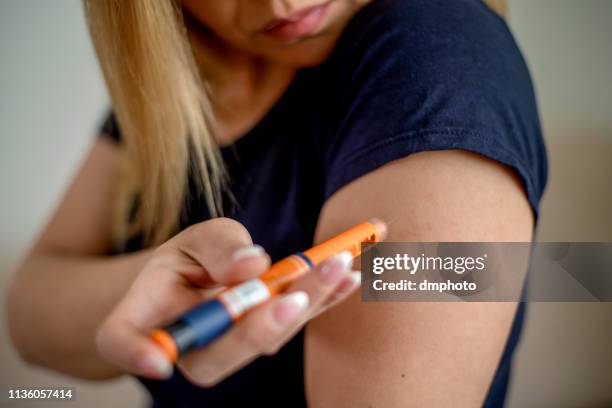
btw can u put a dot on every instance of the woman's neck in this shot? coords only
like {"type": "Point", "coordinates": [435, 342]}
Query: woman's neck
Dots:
{"type": "Point", "coordinates": [242, 87]}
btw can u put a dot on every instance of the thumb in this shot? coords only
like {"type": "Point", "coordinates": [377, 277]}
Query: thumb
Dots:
{"type": "Point", "coordinates": [223, 247]}
{"type": "Point", "coordinates": [242, 264]}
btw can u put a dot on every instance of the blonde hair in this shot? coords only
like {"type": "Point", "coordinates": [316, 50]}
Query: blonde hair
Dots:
{"type": "Point", "coordinates": [164, 113]}
{"type": "Point", "coordinates": [499, 6]}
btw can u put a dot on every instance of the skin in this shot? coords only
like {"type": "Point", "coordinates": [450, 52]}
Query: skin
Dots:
{"type": "Point", "coordinates": [375, 354]}
{"type": "Point", "coordinates": [248, 71]}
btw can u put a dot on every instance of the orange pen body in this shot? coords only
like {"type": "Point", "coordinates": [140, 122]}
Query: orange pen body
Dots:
{"type": "Point", "coordinates": [288, 270]}
{"type": "Point", "coordinates": [206, 322]}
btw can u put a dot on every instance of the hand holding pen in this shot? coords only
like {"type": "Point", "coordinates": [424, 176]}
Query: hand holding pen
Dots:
{"type": "Point", "coordinates": [198, 265]}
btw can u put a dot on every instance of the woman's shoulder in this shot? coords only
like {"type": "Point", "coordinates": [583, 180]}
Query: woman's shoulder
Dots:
{"type": "Point", "coordinates": [450, 53]}
{"type": "Point", "coordinates": [425, 12]}
{"type": "Point", "coordinates": [426, 20]}
{"type": "Point", "coordinates": [432, 64]}
{"type": "Point", "coordinates": [422, 75]}
{"type": "Point", "coordinates": [432, 38]}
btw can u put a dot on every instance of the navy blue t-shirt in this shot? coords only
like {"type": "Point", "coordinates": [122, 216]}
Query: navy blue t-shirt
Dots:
{"type": "Point", "coordinates": [406, 76]}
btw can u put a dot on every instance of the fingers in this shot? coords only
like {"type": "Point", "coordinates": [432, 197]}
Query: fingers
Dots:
{"type": "Point", "coordinates": [327, 285]}
{"type": "Point", "coordinates": [256, 334]}
{"type": "Point", "coordinates": [223, 248]}
{"type": "Point", "coordinates": [344, 289]}
{"type": "Point", "coordinates": [122, 339]}
{"type": "Point", "coordinates": [219, 251]}
{"type": "Point", "coordinates": [325, 300]}
{"type": "Point", "coordinates": [265, 329]}
{"type": "Point", "coordinates": [323, 282]}
{"type": "Point", "coordinates": [244, 263]}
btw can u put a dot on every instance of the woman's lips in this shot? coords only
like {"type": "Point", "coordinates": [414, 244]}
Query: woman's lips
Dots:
{"type": "Point", "coordinates": [298, 25]}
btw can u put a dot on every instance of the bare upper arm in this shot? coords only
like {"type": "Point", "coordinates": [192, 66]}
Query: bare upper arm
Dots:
{"type": "Point", "coordinates": [418, 354]}
{"type": "Point", "coordinates": [81, 223]}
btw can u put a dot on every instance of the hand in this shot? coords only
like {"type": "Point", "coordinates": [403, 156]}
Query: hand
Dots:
{"type": "Point", "coordinates": [193, 266]}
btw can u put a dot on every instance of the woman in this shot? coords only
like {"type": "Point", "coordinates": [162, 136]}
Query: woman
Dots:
{"type": "Point", "coordinates": [294, 119]}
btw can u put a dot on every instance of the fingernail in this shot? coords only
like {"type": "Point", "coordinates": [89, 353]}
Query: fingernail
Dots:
{"type": "Point", "coordinates": [381, 226]}
{"type": "Point", "coordinates": [157, 366]}
{"type": "Point", "coordinates": [349, 283]}
{"type": "Point", "coordinates": [247, 252]}
{"type": "Point", "coordinates": [291, 307]}
{"type": "Point", "coordinates": [334, 269]}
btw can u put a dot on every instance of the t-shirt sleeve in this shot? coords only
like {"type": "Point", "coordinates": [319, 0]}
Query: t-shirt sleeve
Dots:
{"type": "Point", "coordinates": [109, 128]}
{"type": "Point", "coordinates": [428, 75]}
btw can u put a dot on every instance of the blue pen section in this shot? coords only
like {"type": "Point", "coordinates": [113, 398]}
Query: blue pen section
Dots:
{"type": "Point", "coordinates": [206, 322]}
{"type": "Point", "coordinates": [305, 258]}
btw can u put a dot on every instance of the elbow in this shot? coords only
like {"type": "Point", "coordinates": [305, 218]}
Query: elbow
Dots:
{"type": "Point", "coordinates": [19, 328]}
{"type": "Point", "coordinates": [32, 346]}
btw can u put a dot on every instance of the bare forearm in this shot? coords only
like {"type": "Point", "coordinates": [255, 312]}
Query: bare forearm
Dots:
{"type": "Point", "coordinates": [57, 302]}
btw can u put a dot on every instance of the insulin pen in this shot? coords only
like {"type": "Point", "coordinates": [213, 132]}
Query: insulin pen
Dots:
{"type": "Point", "coordinates": [209, 320]}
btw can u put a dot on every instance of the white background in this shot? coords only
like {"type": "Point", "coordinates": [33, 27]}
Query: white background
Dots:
{"type": "Point", "coordinates": [52, 97]}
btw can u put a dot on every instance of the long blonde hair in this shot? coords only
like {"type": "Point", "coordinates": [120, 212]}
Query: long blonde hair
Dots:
{"type": "Point", "coordinates": [164, 113]}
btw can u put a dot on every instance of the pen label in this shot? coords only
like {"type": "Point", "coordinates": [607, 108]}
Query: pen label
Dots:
{"type": "Point", "coordinates": [245, 296]}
